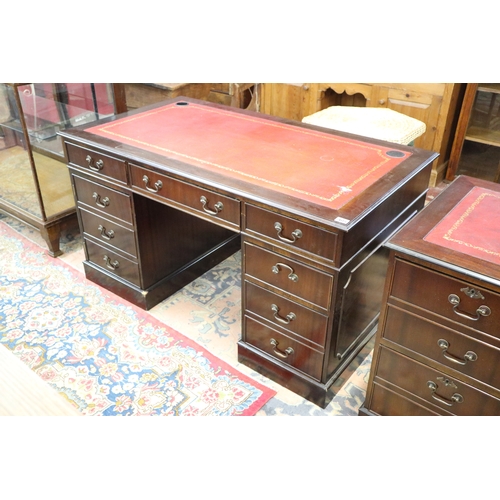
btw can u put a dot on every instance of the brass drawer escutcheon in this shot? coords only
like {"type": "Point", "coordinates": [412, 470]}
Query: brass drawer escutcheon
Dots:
{"type": "Point", "coordinates": [107, 235]}
{"type": "Point", "coordinates": [454, 300]}
{"type": "Point", "coordinates": [157, 185]}
{"type": "Point", "coordinates": [296, 234]}
{"type": "Point", "coordinates": [100, 203]}
{"type": "Point", "coordinates": [292, 276]}
{"type": "Point", "coordinates": [456, 398]}
{"type": "Point", "coordinates": [219, 206]}
{"type": "Point", "coordinates": [468, 356]}
{"type": "Point", "coordinates": [282, 354]}
{"type": "Point", "coordinates": [287, 319]}
{"type": "Point", "coordinates": [96, 166]}
{"type": "Point", "coordinates": [111, 265]}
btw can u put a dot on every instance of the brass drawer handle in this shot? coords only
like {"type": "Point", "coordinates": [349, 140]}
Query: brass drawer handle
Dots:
{"type": "Point", "coordinates": [480, 311]}
{"type": "Point", "coordinates": [107, 235]}
{"type": "Point", "coordinates": [292, 276]}
{"type": "Point", "coordinates": [111, 265]}
{"type": "Point", "coordinates": [157, 185]}
{"type": "Point", "coordinates": [468, 356]}
{"type": "Point", "coordinates": [219, 206]}
{"type": "Point", "coordinates": [282, 354]}
{"type": "Point", "coordinates": [295, 234]}
{"type": "Point", "coordinates": [456, 398]}
{"type": "Point", "coordinates": [286, 320]}
{"type": "Point", "coordinates": [100, 203]}
{"type": "Point", "coordinates": [95, 166]}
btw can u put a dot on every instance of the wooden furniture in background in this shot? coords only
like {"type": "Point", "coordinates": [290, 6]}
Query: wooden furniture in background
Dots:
{"type": "Point", "coordinates": [435, 104]}
{"type": "Point", "coordinates": [476, 148]}
{"type": "Point", "coordinates": [437, 349]}
{"type": "Point", "coordinates": [239, 95]}
{"type": "Point", "coordinates": [165, 193]}
{"type": "Point", "coordinates": [34, 182]}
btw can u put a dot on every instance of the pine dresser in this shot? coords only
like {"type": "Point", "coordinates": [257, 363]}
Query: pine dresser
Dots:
{"type": "Point", "coordinates": [437, 348]}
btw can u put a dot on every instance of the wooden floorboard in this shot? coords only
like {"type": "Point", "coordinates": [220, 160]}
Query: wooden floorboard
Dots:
{"type": "Point", "coordinates": [23, 393]}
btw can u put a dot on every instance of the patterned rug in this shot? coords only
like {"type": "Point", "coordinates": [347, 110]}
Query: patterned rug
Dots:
{"type": "Point", "coordinates": [104, 355]}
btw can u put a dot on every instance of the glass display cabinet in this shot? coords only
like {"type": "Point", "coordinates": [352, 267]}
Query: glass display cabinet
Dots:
{"type": "Point", "coordinates": [476, 148]}
{"type": "Point", "coordinates": [34, 180]}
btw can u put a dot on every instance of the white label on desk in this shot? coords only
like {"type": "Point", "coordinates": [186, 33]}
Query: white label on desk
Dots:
{"type": "Point", "coordinates": [341, 220]}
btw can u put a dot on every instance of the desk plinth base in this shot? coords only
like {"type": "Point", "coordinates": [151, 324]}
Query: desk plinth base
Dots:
{"type": "Point", "coordinates": [146, 299]}
{"type": "Point", "coordinates": [316, 392]}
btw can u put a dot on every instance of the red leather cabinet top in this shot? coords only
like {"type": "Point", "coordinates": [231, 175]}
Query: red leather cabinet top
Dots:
{"type": "Point", "coordinates": [459, 228]}
{"type": "Point", "coordinates": [321, 167]}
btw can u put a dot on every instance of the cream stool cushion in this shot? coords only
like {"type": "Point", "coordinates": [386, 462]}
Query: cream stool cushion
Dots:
{"type": "Point", "coordinates": [378, 123]}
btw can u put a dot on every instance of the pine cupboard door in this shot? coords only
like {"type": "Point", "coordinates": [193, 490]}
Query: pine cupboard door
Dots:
{"type": "Point", "coordinates": [422, 102]}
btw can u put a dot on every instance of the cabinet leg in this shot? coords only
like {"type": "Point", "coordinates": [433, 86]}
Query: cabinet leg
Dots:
{"type": "Point", "coordinates": [52, 235]}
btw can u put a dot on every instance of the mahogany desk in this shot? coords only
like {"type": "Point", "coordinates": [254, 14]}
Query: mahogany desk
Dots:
{"type": "Point", "coordinates": [167, 191]}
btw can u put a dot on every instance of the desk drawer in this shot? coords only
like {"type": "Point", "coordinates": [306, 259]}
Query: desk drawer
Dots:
{"type": "Point", "coordinates": [436, 292]}
{"type": "Point", "coordinates": [286, 314]}
{"type": "Point", "coordinates": [288, 275]}
{"type": "Point", "coordinates": [434, 387]}
{"type": "Point", "coordinates": [284, 348]}
{"type": "Point", "coordinates": [291, 233]}
{"type": "Point", "coordinates": [113, 263]}
{"type": "Point", "coordinates": [109, 232]}
{"type": "Point", "coordinates": [98, 163]}
{"type": "Point", "coordinates": [212, 205]}
{"type": "Point", "coordinates": [444, 345]}
{"type": "Point", "coordinates": [103, 199]}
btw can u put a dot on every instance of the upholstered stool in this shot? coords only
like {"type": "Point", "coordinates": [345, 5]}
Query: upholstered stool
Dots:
{"type": "Point", "coordinates": [378, 123]}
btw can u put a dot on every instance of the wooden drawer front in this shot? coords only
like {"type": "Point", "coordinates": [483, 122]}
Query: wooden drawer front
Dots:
{"type": "Point", "coordinates": [208, 203]}
{"type": "Point", "coordinates": [288, 275]}
{"type": "Point", "coordinates": [98, 163]}
{"type": "Point", "coordinates": [433, 291]}
{"type": "Point", "coordinates": [433, 386]}
{"type": "Point", "coordinates": [386, 403]}
{"type": "Point", "coordinates": [104, 199]}
{"type": "Point", "coordinates": [109, 232]}
{"type": "Point", "coordinates": [287, 314]}
{"type": "Point", "coordinates": [442, 344]}
{"type": "Point", "coordinates": [283, 348]}
{"type": "Point", "coordinates": [292, 233]}
{"type": "Point", "coordinates": [113, 263]}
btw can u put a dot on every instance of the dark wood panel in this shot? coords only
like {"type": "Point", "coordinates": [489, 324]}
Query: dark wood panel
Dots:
{"type": "Point", "coordinates": [417, 378]}
{"type": "Point", "coordinates": [103, 199]}
{"type": "Point", "coordinates": [292, 233]}
{"type": "Point", "coordinates": [286, 314]}
{"type": "Point", "coordinates": [97, 162]}
{"type": "Point", "coordinates": [290, 276]}
{"type": "Point", "coordinates": [283, 348]}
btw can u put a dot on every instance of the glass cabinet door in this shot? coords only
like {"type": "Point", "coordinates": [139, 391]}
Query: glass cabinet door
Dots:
{"type": "Point", "coordinates": [34, 179]}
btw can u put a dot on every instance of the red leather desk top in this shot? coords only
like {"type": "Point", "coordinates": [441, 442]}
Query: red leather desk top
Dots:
{"type": "Point", "coordinates": [472, 227]}
{"type": "Point", "coordinates": [316, 166]}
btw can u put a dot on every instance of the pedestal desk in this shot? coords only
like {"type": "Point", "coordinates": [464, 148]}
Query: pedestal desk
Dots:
{"type": "Point", "coordinates": [167, 191]}
{"type": "Point", "coordinates": [437, 349]}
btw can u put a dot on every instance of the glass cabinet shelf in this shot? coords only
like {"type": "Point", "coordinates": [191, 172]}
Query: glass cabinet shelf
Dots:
{"type": "Point", "coordinates": [34, 180]}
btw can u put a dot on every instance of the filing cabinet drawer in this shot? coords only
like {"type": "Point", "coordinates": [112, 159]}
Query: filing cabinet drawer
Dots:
{"type": "Point", "coordinates": [113, 263]}
{"type": "Point", "coordinates": [98, 163]}
{"type": "Point", "coordinates": [291, 233]}
{"type": "Point", "coordinates": [109, 232]}
{"type": "Point", "coordinates": [385, 402]}
{"type": "Point", "coordinates": [444, 345]}
{"type": "Point", "coordinates": [441, 294]}
{"type": "Point", "coordinates": [288, 275]}
{"type": "Point", "coordinates": [214, 205]}
{"type": "Point", "coordinates": [104, 199]}
{"type": "Point", "coordinates": [283, 348]}
{"type": "Point", "coordinates": [433, 386]}
{"type": "Point", "coordinates": [287, 314]}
